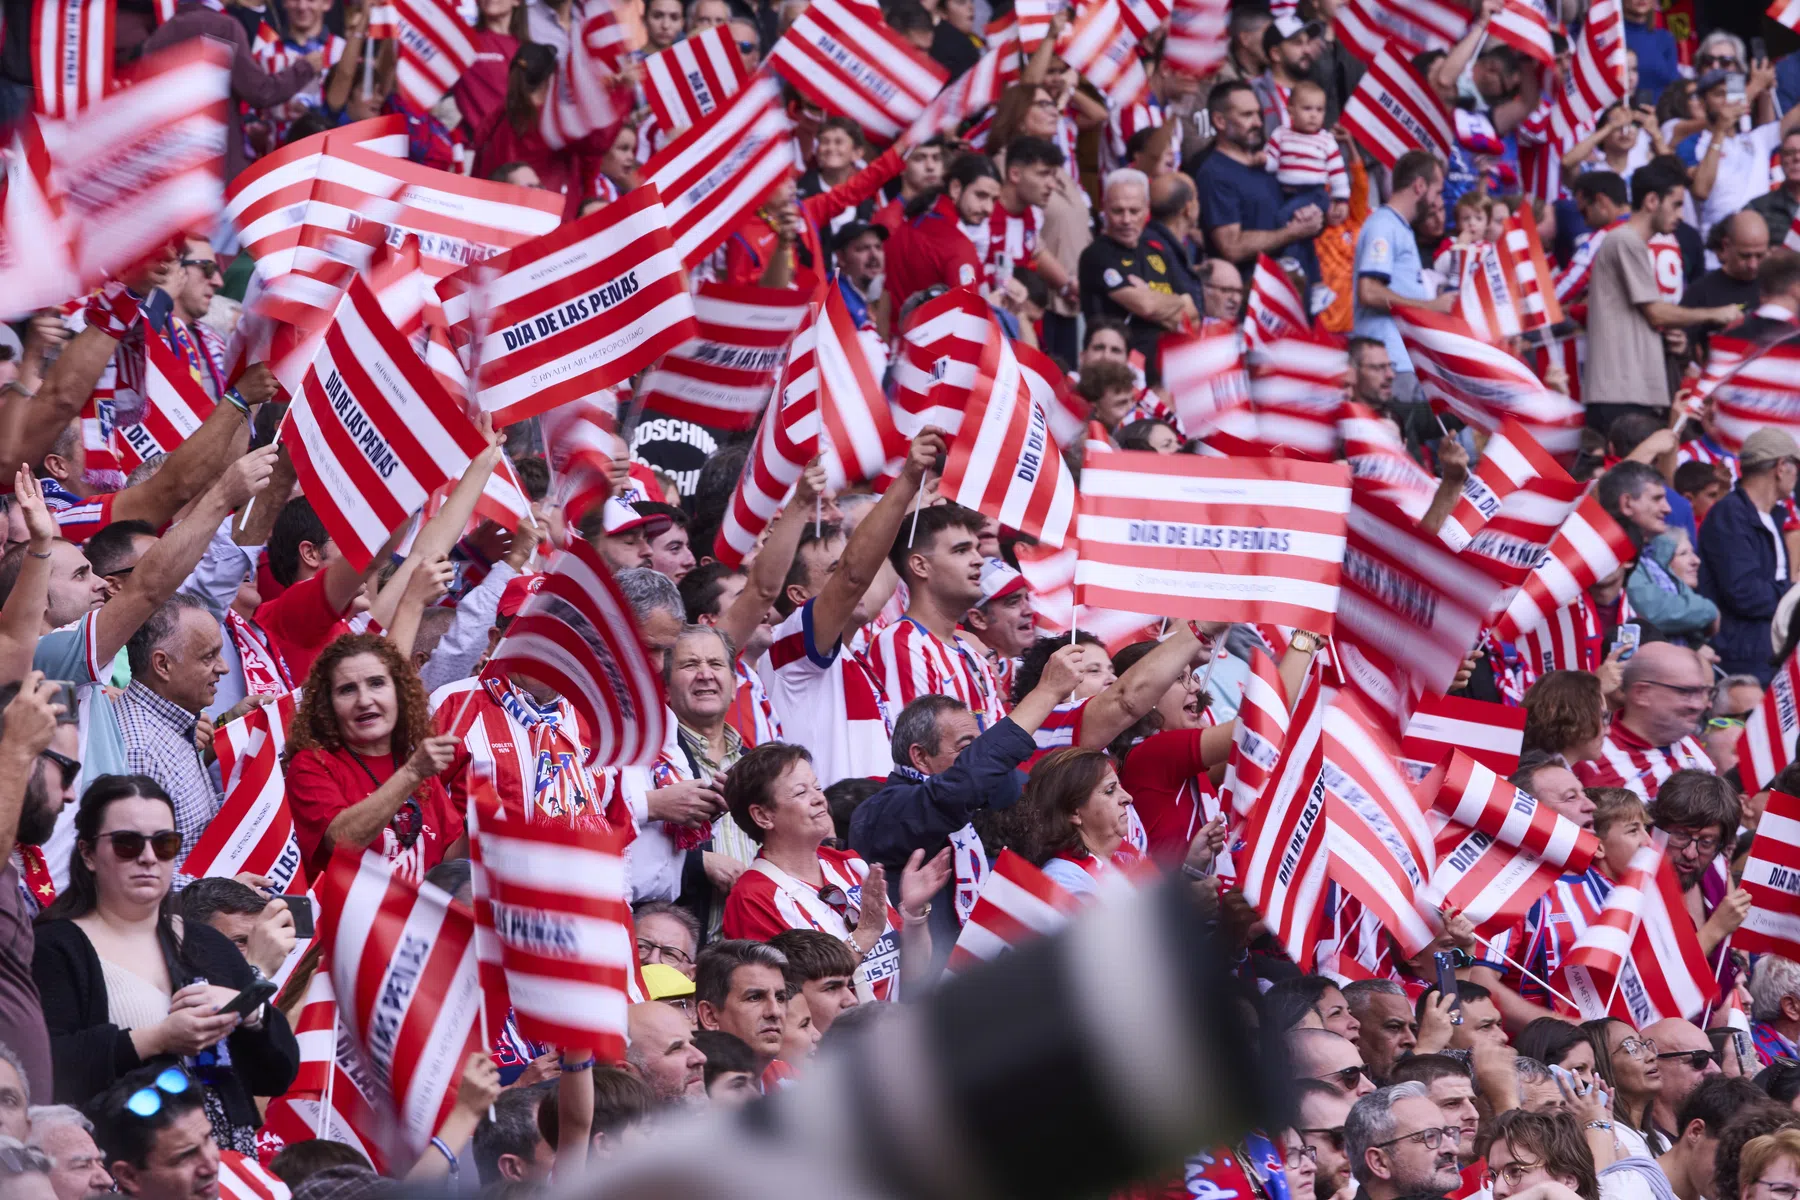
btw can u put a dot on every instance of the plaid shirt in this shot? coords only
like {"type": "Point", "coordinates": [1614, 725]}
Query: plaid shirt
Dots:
{"type": "Point", "coordinates": [159, 742]}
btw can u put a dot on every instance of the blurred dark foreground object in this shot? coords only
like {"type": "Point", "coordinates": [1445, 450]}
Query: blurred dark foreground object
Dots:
{"type": "Point", "coordinates": [1066, 1069]}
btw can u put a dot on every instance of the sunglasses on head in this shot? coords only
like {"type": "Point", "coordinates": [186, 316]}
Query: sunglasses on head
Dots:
{"type": "Point", "coordinates": [1695, 1059]}
{"type": "Point", "coordinates": [148, 1101]}
{"type": "Point", "coordinates": [129, 843]}
{"type": "Point", "coordinates": [70, 767]}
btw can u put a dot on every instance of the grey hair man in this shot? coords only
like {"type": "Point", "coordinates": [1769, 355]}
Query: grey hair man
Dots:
{"type": "Point", "coordinates": [1775, 998]}
{"type": "Point", "coordinates": [1537, 1087]}
{"type": "Point", "coordinates": [77, 1168]}
{"type": "Point", "coordinates": [1388, 1032]}
{"type": "Point", "coordinates": [740, 988]}
{"type": "Point", "coordinates": [1399, 1145]}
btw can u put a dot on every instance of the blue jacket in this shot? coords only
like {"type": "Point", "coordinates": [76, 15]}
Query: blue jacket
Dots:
{"type": "Point", "coordinates": [1737, 572]}
{"type": "Point", "coordinates": [920, 812]}
{"type": "Point", "coordinates": [1658, 63]}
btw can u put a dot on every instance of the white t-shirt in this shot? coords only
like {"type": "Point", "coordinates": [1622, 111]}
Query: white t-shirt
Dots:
{"type": "Point", "coordinates": [1781, 562]}
{"type": "Point", "coordinates": [829, 702]}
{"type": "Point", "coordinates": [1743, 171]}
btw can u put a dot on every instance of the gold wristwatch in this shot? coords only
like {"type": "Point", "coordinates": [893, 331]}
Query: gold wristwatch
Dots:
{"type": "Point", "coordinates": [1305, 641]}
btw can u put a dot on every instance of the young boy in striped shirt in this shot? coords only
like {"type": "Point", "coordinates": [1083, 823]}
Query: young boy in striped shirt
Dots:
{"type": "Point", "coordinates": [1305, 159]}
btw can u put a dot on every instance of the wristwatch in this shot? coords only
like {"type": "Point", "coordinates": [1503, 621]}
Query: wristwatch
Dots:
{"type": "Point", "coordinates": [1304, 641]}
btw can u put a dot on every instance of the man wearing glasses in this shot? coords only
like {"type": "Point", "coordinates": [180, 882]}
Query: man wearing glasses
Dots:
{"type": "Point", "coordinates": [194, 342]}
{"type": "Point", "coordinates": [1323, 1111]}
{"type": "Point", "coordinates": [1399, 1145]}
{"type": "Point", "coordinates": [1666, 691]}
{"type": "Point", "coordinates": [1329, 1058]}
{"type": "Point", "coordinates": [1698, 813]}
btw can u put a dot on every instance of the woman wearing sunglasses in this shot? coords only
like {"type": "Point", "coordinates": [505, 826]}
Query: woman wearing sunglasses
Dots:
{"type": "Point", "coordinates": [796, 882]}
{"type": "Point", "coordinates": [127, 983]}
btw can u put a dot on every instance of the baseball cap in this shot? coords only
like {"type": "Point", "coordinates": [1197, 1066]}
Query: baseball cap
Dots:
{"type": "Point", "coordinates": [519, 589]}
{"type": "Point", "coordinates": [1768, 445]}
{"type": "Point", "coordinates": [619, 517]}
{"type": "Point", "coordinates": [1282, 29]}
{"type": "Point", "coordinates": [1709, 80]}
{"type": "Point", "coordinates": [854, 230]}
{"type": "Point", "coordinates": [998, 579]}
{"type": "Point", "coordinates": [663, 981]}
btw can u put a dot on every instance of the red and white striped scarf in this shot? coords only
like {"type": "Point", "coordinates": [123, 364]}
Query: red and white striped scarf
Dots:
{"type": "Point", "coordinates": [265, 670]}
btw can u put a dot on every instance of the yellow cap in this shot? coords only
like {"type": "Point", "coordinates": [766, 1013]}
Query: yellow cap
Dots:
{"type": "Point", "coordinates": [664, 981]}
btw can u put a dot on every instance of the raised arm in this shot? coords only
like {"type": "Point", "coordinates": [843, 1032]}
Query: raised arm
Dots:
{"type": "Point", "coordinates": [869, 545]}
{"type": "Point", "coordinates": [1136, 692]}
{"type": "Point", "coordinates": [22, 618]}
{"type": "Point", "coordinates": [222, 437]}
{"type": "Point", "coordinates": [441, 532]}
{"type": "Point", "coordinates": [30, 723]}
{"type": "Point", "coordinates": [165, 565]}
{"type": "Point", "coordinates": [768, 571]}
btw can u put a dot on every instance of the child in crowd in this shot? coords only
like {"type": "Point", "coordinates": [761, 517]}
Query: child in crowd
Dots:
{"type": "Point", "coordinates": [1304, 157]}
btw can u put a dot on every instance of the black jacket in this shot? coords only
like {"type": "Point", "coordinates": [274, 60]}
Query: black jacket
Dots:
{"type": "Point", "coordinates": [91, 1053]}
{"type": "Point", "coordinates": [1737, 573]}
{"type": "Point", "coordinates": [913, 812]}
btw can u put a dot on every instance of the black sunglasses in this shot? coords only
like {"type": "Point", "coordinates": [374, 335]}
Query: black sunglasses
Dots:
{"type": "Point", "coordinates": [1335, 1135]}
{"type": "Point", "coordinates": [1696, 1059]}
{"type": "Point", "coordinates": [1346, 1078]}
{"type": "Point", "coordinates": [70, 767]}
{"type": "Point", "coordinates": [209, 267]}
{"type": "Point", "coordinates": [129, 843]}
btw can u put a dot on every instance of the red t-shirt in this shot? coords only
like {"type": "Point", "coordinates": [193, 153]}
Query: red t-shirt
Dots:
{"type": "Point", "coordinates": [1166, 778]}
{"type": "Point", "coordinates": [300, 622]}
{"type": "Point", "coordinates": [929, 249]}
{"type": "Point", "coordinates": [323, 783]}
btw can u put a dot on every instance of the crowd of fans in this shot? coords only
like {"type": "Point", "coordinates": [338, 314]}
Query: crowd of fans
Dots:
{"type": "Point", "coordinates": [867, 711]}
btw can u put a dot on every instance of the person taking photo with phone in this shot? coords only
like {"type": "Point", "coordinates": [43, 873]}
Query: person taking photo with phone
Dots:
{"type": "Point", "coordinates": [126, 983]}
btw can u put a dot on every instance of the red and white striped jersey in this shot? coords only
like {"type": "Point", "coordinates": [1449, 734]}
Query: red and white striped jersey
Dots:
{"type": "Point", "coordinates": [830, 702]}
{"type": "Point", "coordinates": [751, 713]}
{"type": "Point", "coordinates": [1541, 941]}
{"type": "Point", "coordinates": [1014, 237]}
{"type": "Point", "coordinates": [911, 661]}
{"type": "Point", "coordinates": [527, 757]}
{"type": "Point", "coordinates": [1628, 761]}
{"type": "Point", "coordinates": [1123, 124]}
{"type": "Point", "coordinates": [767, 900]}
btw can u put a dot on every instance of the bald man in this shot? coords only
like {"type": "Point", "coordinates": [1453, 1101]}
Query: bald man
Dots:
{"type": "Point", "coordinates": [1666, 691]}
{"type": "Point", "coordinates": [1330, 1058]}
{"type": "Point", "coordinates": [1741, 252]}
{"type": "Point", "coordinates": [1174, 231]}
{"type": "Point", "coordinates": [1679, 1046]}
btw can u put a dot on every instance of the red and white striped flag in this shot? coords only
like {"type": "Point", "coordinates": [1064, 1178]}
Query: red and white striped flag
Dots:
{"type": "Point", "coordinates": [1380, 843]}
{"type": "Point", "coordinates": [242, 1178]}
{"type": "Point", "coordinates": [1297, 391]}
{"type": "Point", "coordinates": [1034, 18]}
{"type": "Point", "coordinates": [1501, 848]}
{"type": "Point", "coordinates": [1142, 17]}
{"type": "Point", "coordinates": [1379, 461]}
{"type": "Point", "coordinates": [1284, 860]}
{"type": "Point", "coordinates": [1589, 547]}
{"type": "Point", "coordinates": [1640, 960]}
{"type": "Point", "coordinates": [1004, 463]}
{"type": "Point", "coordinates": [403, 959]}
{"type": "Point", "coordinates": [253, 830]}
{"type": "Point", "coordinates": [326, 1099]}
{"type": "Point", "coordinates": [786, 442]}
{"type": "Point", "coordinates": [1050, 576]}
{"type": "Point", "coordinates": [719, 170]}
{"type": "Point", "coordinates": [1510, 460]}
{"type": "Point", "coordinates": [1483, 384]}
{"type": "Point", "coordinates": [1051, 390]}
{"type": "Point", "coordinates": [1772, 877]}
{"type": "Point", "coordinates": [580, 444]}
{"type": "Point", "coordinates": [1409, 609]}
{"type": "Point", "coordinates": [1219, 539]}
{"type": "Point", "coordinates": [1508, 289]}
{"type": "Point", "coordinates": [724, 375]}
{"type": "Point", "coordinates": [1561, 643]}
{"type": "Point", "coordinates": [1103, 51]}
{"type": "Point", "coordinates": [1394, 109]}
{"type": "Point", "coordinates": [586, 97]}
{"type": "Point", "coordinates": [1491, 734]}
{"type": "Point", "coordinates": [1785, 12]}
{"type": "Point", "coordinates": [576, 633]}
{"type": "Point", "coordinates": [1017, 903]}
{"type": "Point", "coordinates": [71, 54]}
{"type": "Point", "coordinates": [436, 47]}
{"type": "Point", "coordinates": [693, 77]}
{"type": "Point", "coordinates": [1791, 239]}
{"type": "Point", "coordinates": [1205, 375]}
{"type": "Point", "coordinates": [175, 405]}
{"type": "Point", "coordinates": [580, 309]}
{"type": "Point", "coordinates": [1596, 79]}
{"type": "Point", "coordinates": [1275, 310]}
{"type": "Point", "coordinates": [854, 415]}
{"type": "Point", "coordinates": [843, 57]}
{"type": "Point", "coordinates": [1766, 746]}
{"type": "Point", "coordinates": [1756, 389]}
{"type": "Point", "coordinates": [371, 431]}
{"type": "Point", "coordinates": [937, 361]}
{"type": "Point", "coordinates": [976, 89]}
{"type": "Point", "coordinates": [1196, 43]}
{"type": "Point", "coordinates": [1521, 25]}
{"type": "Point", "coordinates": [1509, 546]}
{"type": "Point", "coordinates": [553, 928]}
{"type": "Point", "coordinates": [1256, 742]}
{"type": "Point", "coordinates": [1411, 27]}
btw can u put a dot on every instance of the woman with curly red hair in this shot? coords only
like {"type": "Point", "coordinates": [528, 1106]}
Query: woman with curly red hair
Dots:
{"type": "Point", "coordinates": [363, 764]}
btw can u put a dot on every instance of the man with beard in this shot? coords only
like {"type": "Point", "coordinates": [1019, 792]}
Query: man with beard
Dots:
{"type": "Point", "coordinates": [1450, 1085]}
{"type": "Point", "coordinates": [37, 778]}
{"type": "Point", "coordinates": [1386, 1032]}
{"type": "Point", "coordinates": [1399, 1144]}
{"type": "Point", "coordinates": [1291, 46]}
{"type": "Point", "coordinates": [660, 1051]}
{"type": "Point", "coordinates": [1323, 1111]}
{"type": "Point", "coordinates": [932, 244]}
{"type": "Point", "coordinates": [1240, 202]}
{"type": "Point", "coordinates": [1389, 270]}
